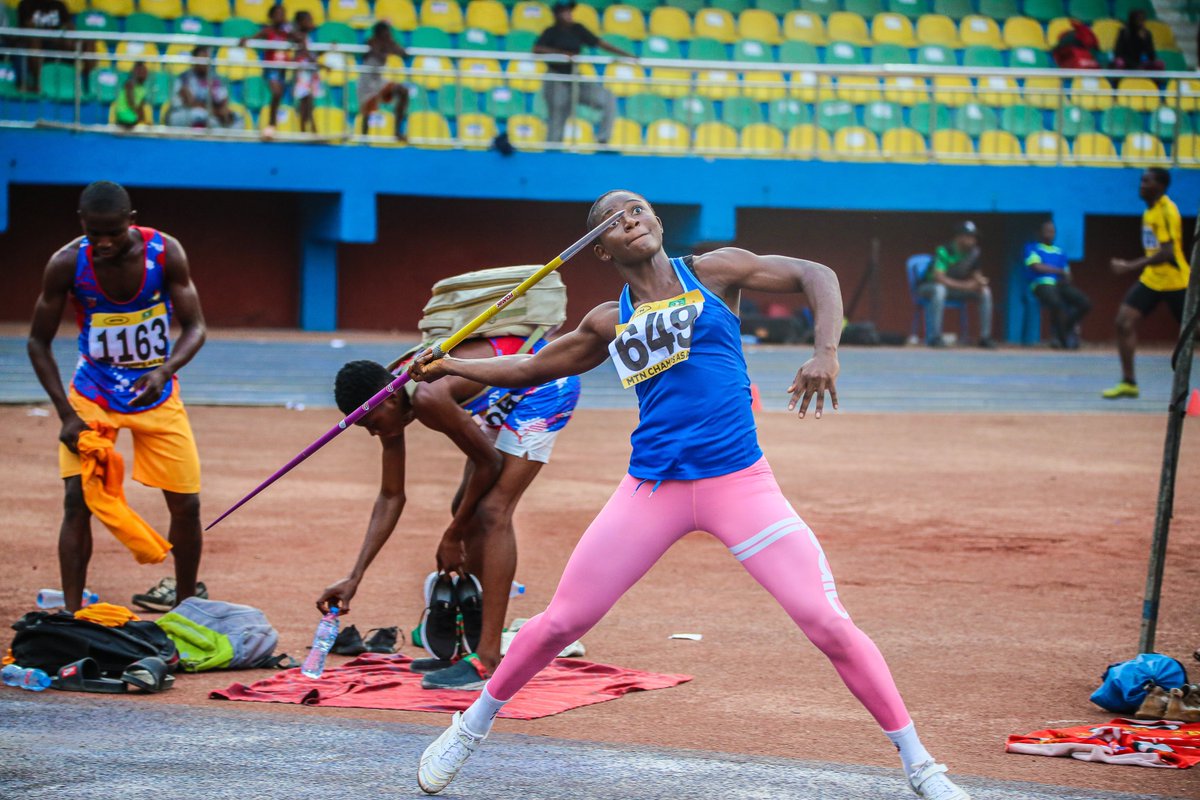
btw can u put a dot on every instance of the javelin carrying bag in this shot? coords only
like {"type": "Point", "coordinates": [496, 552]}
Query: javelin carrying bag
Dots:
{"type": "Point", "coordinates": [459, 299]}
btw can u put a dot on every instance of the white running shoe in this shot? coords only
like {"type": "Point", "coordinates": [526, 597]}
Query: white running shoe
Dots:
{"type": "Point", "coordinates": [442, 760]}
{"type": "Point", "coordinates": [930, 782]}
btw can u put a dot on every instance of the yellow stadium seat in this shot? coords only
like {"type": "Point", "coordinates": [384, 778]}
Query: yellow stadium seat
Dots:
{"type": "Point", "coordinates": [761, 139]}
{"type": "Point", "coordinates": [444, 14]}
{"type": "Point", "coordinates": [247, 117]}
{"type": "Point", "coordinates": [626, 133]}
{"type": "Point", "coordinates": [937, 29]}
{"type": "Point", "coordinates": [286, 119]}
{"type": "Point", "coordinates": [623, 79]}
{"type": "Point", "coordinates": [952, 90]}
{"type": "Point", "coordinates": [846, 26]}
{"type": "Point", "coordinates": [716, 138]}
{"type": "Point", "coordinates": [114, 8]}
{"type": "Point", "coordinates": [382, 123]}
{"type": "Point", "coordinates": [999, 147]}
{"type": "Point", "coordinates": [858, 89]}
{"type": "Point", "coordinates": [1187, 149]}
{"type": "Point", "coordinates": [532, 16]}
{"type": "Point", "coordinates": [356, 13]}
{"type": "Point", "coordinates": [671, 22]}
{"type": "Point", "coordinates": [1096, 150]}
{"type": "Point", "coordinates": [764, 86]}
{"type": "Point", "coordinates": [808, 87]}
{"type": "Point", "coordinates": [178, 49]}
{"type": "Point", "coordinates": [437, 69]}
{"type": "Point", "coordinates": [805, 26]}
{"type": "Point", "coordinates": [1106, 31]}
{"type": "Point", "coordinates": [855, 143]}
{"type": "Point", "coordinates": [240, 68]}
{"type": "Point", "coordinates": [1024, 32]}
{"type": "Point", "coordinates": [476, 131]}
{"type": "Point", "coordinates": [976, 29]}
{"type": "Point", "coordinates": [715, 23]}
{"type": "Point", "coordinates": [1163, 35]}
{"type": "Point", "coordinates": [336, 63]}
{"type": "Point", "coordinates": [1092, 93]}
{"type": "Point", "coordinates": [394, 69]}
{"type": "Point", "coordinates": [314, 7]}
{"type": "Point", "coordinates": [953, 146]}
{"type": "Point", "coordinates": [400, 14]}
{"type": "Point", "coordinates": [1057, 27]}
{"type": "Point", "coordinates": [253, 10]}
{"type": "Point", "coordinates": [1184, 94]}
{"type": "Point", "coordinates": [1140, 94]}
{"type": "Point", "coordinates": [588, 17]}
{"type": "Point", "coordinates": [429, 129]}
{"type": "Point", "coordinates": [330, 121]}
{"type": "Point", "coordinates": [623, 20]}
{"type": "Point", "coordinates": [525, 76]}
{"type": "Point", "coordinates": [1043, 92]}
{"type": "Point", "coordinates": [754, 23]}
{"type": "Point", "coordinates": [164, 9]}
{"type": "Point", "coordinates": [210, 10]}
{"type": "Point", "coordinates": [480, 74]}
{"type": "Point", "coordinates": [998, 90]}
{"type": "Point", "coordinates": [903, 144]}
{"type": "Point", "coordinates": [670, 82]}
{"type": "Point", "coordinates": [488, 15]}
{"type": "Point", "coordinates": [1045, 148]}
{"type": "Point", "coordinates": [579, 135]}
{"type": "Point", "coordinates": [891, 28]}
{"type": "Point", "coordinates": [1143, 149]}
{"type": "Point", "coordinates": [527, 132]}
{"type": "Point", "coordinates": [667, 135]}
{"type": "Point", "coordinates": [905, 90]}
{"type": "Point", "coordinates": [717, 84]}
{"type": "Point", "coordinates": [129, 52]}
{"type": "Point", "coordinates": [808, 141]}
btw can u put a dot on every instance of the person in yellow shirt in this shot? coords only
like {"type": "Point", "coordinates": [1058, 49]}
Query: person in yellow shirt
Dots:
{"type": "Point", "coordinates": [1164, 275]}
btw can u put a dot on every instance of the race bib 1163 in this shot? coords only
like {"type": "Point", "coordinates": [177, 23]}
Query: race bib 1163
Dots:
{"type": "Point", "coordinates": [657, 337]}
{"type": "Point", "coordinates": [138, 339]}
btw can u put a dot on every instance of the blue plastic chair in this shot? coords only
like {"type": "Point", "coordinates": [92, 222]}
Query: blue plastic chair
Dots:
{"type": "Point", "coordinates": [916, 267]}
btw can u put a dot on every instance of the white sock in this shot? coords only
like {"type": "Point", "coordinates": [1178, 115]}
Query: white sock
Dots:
{"type": "Point", "coordinates": [478, 718]}
{"type": "Point", "coordinates": [912, 752]}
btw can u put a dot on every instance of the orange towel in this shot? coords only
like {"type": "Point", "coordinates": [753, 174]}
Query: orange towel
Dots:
{"type": "Point", "coordinates": [106, 614]}
{"type": "Point", "coordinates": [104, 493]}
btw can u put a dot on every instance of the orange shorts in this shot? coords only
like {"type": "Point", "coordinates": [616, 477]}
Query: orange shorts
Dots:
{"type": "Point", "coordinates": [164, 450]}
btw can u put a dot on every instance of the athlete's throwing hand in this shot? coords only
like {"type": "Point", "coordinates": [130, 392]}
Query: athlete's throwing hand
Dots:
{"type": "Point", "coordinates": [817, 376]}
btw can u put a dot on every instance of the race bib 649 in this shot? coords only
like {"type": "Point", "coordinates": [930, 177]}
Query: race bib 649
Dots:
{"type": "Point", "coordinates": [657, 337]}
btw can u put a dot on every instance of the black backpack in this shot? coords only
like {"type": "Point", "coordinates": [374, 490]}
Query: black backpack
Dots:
{"type": "Point", "coordinates": [51, 641]}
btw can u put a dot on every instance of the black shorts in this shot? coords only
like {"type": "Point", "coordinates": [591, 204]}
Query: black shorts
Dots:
{"type": "Point", "coordinates": [1144, 299]}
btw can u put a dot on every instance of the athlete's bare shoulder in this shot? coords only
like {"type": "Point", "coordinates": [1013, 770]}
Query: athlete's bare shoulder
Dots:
{"type": "Point", "coordinates": [722, 262]}
{"type": "Point", "coordinates": [603, 319]}
{"type": "Point", "coordinates": [62, 264]}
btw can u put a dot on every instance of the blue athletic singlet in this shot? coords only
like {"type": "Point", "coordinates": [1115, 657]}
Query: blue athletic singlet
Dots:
{"type": "Point", "coordinates": [120, 342]}
{"type": "Point", "coordinates": [683, 357]}
{"type": "Point", "coordinates": [547, 407]}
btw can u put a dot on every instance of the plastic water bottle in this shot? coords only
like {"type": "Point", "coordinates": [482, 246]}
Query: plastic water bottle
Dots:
{"type": "Point", "coordinates": [517, 590]}
{"type": "Point", "coordinates": [53, 598]}
{"type": "Point", "coordinates": [323, 639]}
{"type": "Point", "coordinates": [35, 680]}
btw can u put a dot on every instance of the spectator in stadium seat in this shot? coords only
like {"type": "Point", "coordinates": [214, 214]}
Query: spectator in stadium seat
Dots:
{"type": "Point", "coordinates": [567, 37]}
{"type": "Point", "coordinates": [954, 275]}
{"type": "Point", "coordinates": [46, 15]}
{"type": "Point", "coordinates": [277, 29]}
{"type": "Point", "coordinates": [201, 100]}
{"type": "Point", "coordinates": [1135, 45]}
{"type": "Point", "coordinates": [1049, 276]}
{"type": "Point", "coordinates": [131, 107]}
{"type": "Point", "coordinates": [373, 86]}
{"type": "Point", "coordinates": [307, 86]}
{"type": "Point", "coordinates": [1077, 48]}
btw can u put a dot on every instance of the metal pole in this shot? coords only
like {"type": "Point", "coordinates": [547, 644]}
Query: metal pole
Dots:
{"type": "Point", "coordinates": [1182, 362]}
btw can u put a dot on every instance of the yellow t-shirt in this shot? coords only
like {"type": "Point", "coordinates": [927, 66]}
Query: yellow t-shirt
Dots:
{"type": "Point", "coordinates": [1162, 223]}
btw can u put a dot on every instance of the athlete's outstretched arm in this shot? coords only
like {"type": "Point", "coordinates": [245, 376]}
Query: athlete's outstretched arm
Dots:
{"type": "Point", "coordinates": [732, 268]}
{"type": "Point", "coordinates": [582, 349]}
{"type": "Point", "coordinates": [56, 285]}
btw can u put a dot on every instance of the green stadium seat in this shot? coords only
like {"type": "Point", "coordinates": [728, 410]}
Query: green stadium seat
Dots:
{"type": "Point", "coordinates": [426, 36]}
{"type": "Point", "coordinates": [519, 41]}
{"type": "Point", "coordinates": [1044, 10]}
{"type": "Point", "coordinates": [1173, 60]}
{"type": "Point", "coordinates": [336, 33]}
{"type": "Point", "coordinates": [1074, 121]}
{"type": "Point", "coordinates": [864, 8]}
{"type": "Point", "coordinates": [619, 40]}
{"type": "Point", "coordinates": [822, 7]}
{"type": "Point", "coordinates": [104, 85]}
{"type": "Point", "coordinates": [798, 53]}
{"type": "Point", "coordinates": [734, 7]}
{"type": "Point", "coordinates": [58, 82]}
{"type": "Point", "coordinates": [1121, 8]}
{"type": "Point", "coordinates": [194, 26]}
{"type": "Point", "coordinates": [975, 118]}
{"type": "Point", "coordinates": [453, 100]}
{"type": "Point", "coordinates": [159, 86]}
{"type": "Point", "coordinates": [954, 9]}
{"type": "Point", "coordinates": [1120, 121]}
{"type": "Point", "coordinates": [704, 49]}
{"type": "Point", "coordinates": [239, 28]}
{"type": "Point", "coordinates": [999, 10]}
{"type": "Point", "coordinates": [1087, 10]}
{"type": "Point", "coordinates": [8, 80]}
{"type": "Point", "coordinates": [503, 102]}
{"type": "Point", "coordinates": [644, 6]}
{"type": "Point", "coordinates": [145, 23]}
{"type": "Point", "coordinates": [693, 110]}
{"type": "Point", "coordinates": [690, 6]}
{"type": "Point", "coordinates": [881, 116]}
{"type": "Point", "coordinates": [661, 47]}
{"type": "Point", "coordinates": [843, 53]}
{"type": "Point", "coordinates": [890, 54]}
{"type": "Point", "coordinates": [1029, 57]}
{"type": "Point", "coordinates": [922, 119]}
{"type": "Point", "coordinates": [740, 112]}
{"type": "Point", "coordinates": [753, 51]}
{"type": "Point", "coordinates": [1021, 120]}
{"type": "Point", "coordinates": [787, 113]}
{"type": "Point", "coordinates": [909, 8]}
{"type": "Point", "coordinates": [934, 55]}
{"type": "Point", "coordinates": [982, 56]}
{"type": "Point", "coordinates": [1166, 121]}
{"type": "Point", "coordinates": [255, 93]}
{"type": "Point", "coordinates": [419, 99]}
{"type": "Point", "coordinates": [478, 39]}
{"type": "Point", "coordinates": [835, 114]}
{"type": "Point", "coordinates": [646, 108]}
{"type": "Point", "coordinates": [777, 7]}
{"type": "Point", "coordinates": [96, 21]}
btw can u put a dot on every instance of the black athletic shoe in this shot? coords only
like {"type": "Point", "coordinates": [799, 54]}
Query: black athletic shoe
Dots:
{"type": "Point", "coordinates": [349, 642]}
{"type": "Point", "coordinates": [469, 594]}
{"type": "Point", "coordinates": [467, 675]}
{"type": "Point", "coordinates": [428, 664]}
{"type": "Point", "coordinates": [161, 596]}
{"type": "Point", "coordinates": [381, 640]}
{"type": "Point", "coordinates": [439, 628]}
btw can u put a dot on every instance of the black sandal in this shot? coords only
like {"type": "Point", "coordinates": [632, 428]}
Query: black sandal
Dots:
{"type": "Point", "coordinates": [150, 674]}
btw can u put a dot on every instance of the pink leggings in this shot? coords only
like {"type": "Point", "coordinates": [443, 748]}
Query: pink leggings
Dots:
{"type": "Point", "coordinates": [745, 510]}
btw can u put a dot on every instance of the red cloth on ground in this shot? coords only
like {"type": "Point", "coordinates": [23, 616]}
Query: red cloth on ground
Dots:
{"type": "Point", "coordinates": [1122, 741]}
{"type": "Point", "coordinates": [381, 681]}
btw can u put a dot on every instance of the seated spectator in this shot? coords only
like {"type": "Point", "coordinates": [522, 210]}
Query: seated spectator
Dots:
{"type": "Point", "coordinates": [277, 29]}
{"type": "Point", "coordinates": [307, 86]}
{"type": "Point", "coordinates": [1077, 48]}
{"type": "Point", "coordinates": [46, 15]}
{"type": "Point", "coordinates": [1135, 45]}
{"type": "Point", "coordinates": [373, 87]}
{"type": "Point", "coordinates": [954, 275]}
{"type": "Point", "coordinates": [131, 107]}
{"type": "Point", "coordinates": [567, 37]}
{"type": "Point", "coordinates": [1049, 275]}
{"type": "Point", "coordinates": [200, 100]}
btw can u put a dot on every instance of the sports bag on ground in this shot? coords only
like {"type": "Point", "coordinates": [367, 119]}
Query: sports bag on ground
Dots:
{"type": "Point", "coordinates": [1125, 683]}
{"type": "Point", "coordinates": [211, 634]}
{"type": "Point", "coordinates": [459, 299]}
{"type": "Point", "coordinates": [51, 641]}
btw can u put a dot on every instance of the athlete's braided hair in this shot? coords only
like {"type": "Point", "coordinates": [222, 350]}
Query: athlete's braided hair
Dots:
{"type": "Point", "coordinates": [105, 197]}
{"type": "Point", "coordinates": [357, 382]}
